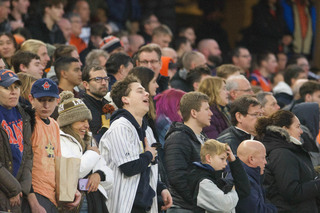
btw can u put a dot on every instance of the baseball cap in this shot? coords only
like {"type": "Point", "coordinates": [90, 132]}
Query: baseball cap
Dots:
{"type": "Point", "coordinates": [8, 77]}
{"type": "Point", "coordinates": [44, 87]}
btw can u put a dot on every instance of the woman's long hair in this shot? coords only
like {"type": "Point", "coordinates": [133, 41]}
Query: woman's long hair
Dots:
{"type": "Point", "coordinates": [83, 142]}
{"type": "Point", "coordinates": [26, 83]}
{"type": "Point", "coordinates": [211, 87]}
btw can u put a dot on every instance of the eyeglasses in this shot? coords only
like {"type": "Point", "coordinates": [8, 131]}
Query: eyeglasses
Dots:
{"type": "Point", "coordinates": [245, 56]}
{"type": "Point", "coordinates": [99, 79]}
{"type": "Point", "coordinates": [245, 90]}
{"type": "Point", "coordinates": [152, 62]}
{"type": "Point", "coordinates": [257, 115]}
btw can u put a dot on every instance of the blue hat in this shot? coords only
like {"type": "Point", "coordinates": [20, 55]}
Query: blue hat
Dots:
{"type": "Point", "coordinates": [44, 87]}
{"type": "Point", "coordinates": [8, 77]}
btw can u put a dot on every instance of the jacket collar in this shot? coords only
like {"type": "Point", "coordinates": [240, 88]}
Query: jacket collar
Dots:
{"type": "Point", "coordinates": [253, 172]}
{"type": "Point", "coordinates": [181, 127]}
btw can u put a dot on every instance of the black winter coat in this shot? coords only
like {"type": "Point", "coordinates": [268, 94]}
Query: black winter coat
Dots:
{"type": "Point", "coordinates": [290, 180]}
{"type": "Point", "coordinates": [233, 137]}
{"type": "Point", "coordinates": [181, 149]}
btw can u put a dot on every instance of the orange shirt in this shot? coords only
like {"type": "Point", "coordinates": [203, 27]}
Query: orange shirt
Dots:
{"type": "Point", "coordinates": [78, 43]}
{"type": "Point", "coordinates": [45, 146]}
{"type": "Point", "coordinates": [303, 18]}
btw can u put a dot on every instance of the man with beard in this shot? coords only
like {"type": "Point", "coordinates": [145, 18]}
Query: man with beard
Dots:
{"type": "Point", "coordinates": [211, 51]}
{"type": "Point", "coordinates": [95, 81]}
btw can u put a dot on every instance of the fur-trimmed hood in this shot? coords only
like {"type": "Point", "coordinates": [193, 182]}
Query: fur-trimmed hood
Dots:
{"type": "Point", "coordinates": [277, 137]}
{"type": "Point", "coordinates": [276, 129]}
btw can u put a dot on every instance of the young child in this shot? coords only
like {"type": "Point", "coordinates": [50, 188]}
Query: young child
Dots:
{"type": "Point", "coordinates": [211, 192]}
{"type": "Point", "coordinates": [45, 139]}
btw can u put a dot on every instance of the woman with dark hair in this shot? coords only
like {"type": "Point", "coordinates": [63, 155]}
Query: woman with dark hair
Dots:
{"type": "Point", "coordinates": [8, 47]}
{"type": "Point", "coordinates": [291, 182]}
{"type": "Point", "coordinates": [215, 89]}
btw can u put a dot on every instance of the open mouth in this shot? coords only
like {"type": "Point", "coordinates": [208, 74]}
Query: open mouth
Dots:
{"type": "Point", "coordinates": [146, 101]}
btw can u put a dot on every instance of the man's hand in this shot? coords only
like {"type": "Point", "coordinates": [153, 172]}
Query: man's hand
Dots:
{"type": "Point", "coordinates": [231, 156]}
{"type": "Point", "coordinates": [15, 201]}
{"type": "Point", "coordinates": [75, 203]}
{"type": "Point", "coordinates": [93, 182]}
{"type": "Point", "coordinates": [150, 149]}
{"type": "Point", "coordinates": [167, 199]}
{"type": "Point", "coordinates": [34, 204]}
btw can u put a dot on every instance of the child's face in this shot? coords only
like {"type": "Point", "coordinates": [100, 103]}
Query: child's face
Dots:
{"type": "Point", "coordinates": [218, 162]}
{"type": "Point", "coordinates": [44, 106]}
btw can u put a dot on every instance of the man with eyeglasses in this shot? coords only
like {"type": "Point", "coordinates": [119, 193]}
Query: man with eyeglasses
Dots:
{"type": "Point", "coordinates": [95, 82]}
{"type": "Point", "coordinates": [150, 56]}
{"type": "Point", "coordinates": [238, 86]}
{"type": "Point", "coordinates": [245, 112]}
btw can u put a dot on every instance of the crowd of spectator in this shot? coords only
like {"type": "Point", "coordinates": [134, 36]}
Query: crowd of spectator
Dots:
{"type": "Point", "coordinates": [160, 121]}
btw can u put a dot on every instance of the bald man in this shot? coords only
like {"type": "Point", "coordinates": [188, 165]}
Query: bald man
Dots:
{"type": "Point", "coordinates": [190, 60]}
{"type": "Point", "coordinates": [253, 155]}
{"type": "Point", "coordinates": [211, 50]}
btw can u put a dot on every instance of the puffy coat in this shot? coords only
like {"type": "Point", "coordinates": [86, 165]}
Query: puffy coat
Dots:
{"type": "Point", "coordinates": [90, 161]}
{"type": "Point", "coordinates": [181, 148]}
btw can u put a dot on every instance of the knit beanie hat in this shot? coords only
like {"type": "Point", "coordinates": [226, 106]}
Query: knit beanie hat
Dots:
{"type": "Point", "coordinates": [72, 109]}
{"type": "Point", "coordinates": [110, 43]}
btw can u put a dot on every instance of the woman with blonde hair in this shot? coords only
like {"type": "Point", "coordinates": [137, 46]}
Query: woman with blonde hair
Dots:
{"type": "Point", "coordinates": [215, 88]}
{"type": "Point", "coordinates": [27, 81]}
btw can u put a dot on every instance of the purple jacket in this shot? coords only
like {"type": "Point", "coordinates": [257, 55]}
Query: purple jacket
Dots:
{"type": "Point", "coordinates": [218, 123]}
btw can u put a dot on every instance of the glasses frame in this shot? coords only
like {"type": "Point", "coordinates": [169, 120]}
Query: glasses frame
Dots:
{"type": "Point", "coordinates": [99, 79]}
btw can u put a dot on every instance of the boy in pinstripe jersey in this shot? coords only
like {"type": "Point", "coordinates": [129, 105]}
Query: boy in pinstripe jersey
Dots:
{"type": "Point", "coordinates": [126, 147]}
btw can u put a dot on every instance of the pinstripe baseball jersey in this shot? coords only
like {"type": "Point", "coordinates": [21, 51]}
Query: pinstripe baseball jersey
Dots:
{"type": "Point", "coordinates": [120, 145]}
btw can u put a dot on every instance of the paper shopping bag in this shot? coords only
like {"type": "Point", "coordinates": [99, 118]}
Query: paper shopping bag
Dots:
{"type": "Point", "coordinates": [67, 175]}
